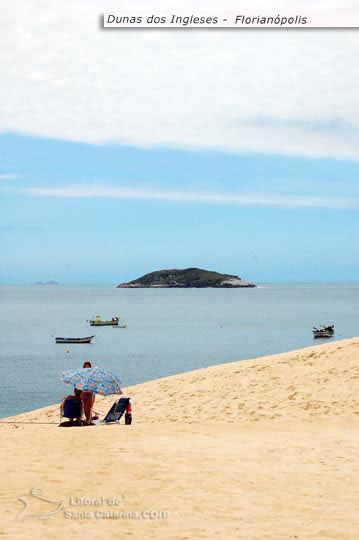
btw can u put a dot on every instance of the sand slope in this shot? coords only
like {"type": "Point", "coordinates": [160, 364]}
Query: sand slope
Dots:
{"type": "Point", "coordinates": [270, 454]}
{"type": "Point", "coordinates": [316, 383]}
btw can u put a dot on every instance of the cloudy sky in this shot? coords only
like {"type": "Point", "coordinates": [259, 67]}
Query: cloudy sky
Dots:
{"type": "Point", "coordinates": [123, 151]}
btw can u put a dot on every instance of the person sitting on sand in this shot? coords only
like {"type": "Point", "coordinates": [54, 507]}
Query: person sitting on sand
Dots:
{"type": "Point", "coordinates": [76, 395]}
{"type": "Point", "coordinates": [88, 398]}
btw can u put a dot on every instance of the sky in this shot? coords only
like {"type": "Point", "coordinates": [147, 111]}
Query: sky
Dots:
{"type": "Point", "coordinates": [123, 152]}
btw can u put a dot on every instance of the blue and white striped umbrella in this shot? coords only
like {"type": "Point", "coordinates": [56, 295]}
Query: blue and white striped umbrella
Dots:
{"type": "Point", "coordinates": [93, 380]}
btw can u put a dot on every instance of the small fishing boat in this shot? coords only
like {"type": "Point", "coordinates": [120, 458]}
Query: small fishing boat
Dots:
{"type": "Point", "coordinates": [120, 326]}
{"type": "Point", "coordinates": [74, 339]}
{"type": "Point", "coordinates": [323, 331]}
{"type": "Point", "coordinates": [98, 322]}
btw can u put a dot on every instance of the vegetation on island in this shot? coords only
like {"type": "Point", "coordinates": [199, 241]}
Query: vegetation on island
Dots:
{"type": "Point", "coordinates": [189, 277]}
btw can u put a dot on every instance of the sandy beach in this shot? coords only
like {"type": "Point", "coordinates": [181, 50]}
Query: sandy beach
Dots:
{"type": "Point", "coordinates": [261, 449]}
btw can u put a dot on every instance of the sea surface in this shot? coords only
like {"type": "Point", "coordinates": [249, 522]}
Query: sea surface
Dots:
{"type": "Point", "coordinates": [169, 331]}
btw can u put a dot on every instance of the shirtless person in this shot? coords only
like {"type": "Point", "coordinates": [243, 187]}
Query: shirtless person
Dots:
{"type": "Point", "coordinates": [89, 399]}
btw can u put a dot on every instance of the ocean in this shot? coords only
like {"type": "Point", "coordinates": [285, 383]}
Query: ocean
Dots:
{"type": "Point", "coordinates": [169, 331]}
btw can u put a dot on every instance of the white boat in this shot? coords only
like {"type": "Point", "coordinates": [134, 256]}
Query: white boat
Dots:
{"type": "Point", "coordinates": [323, 331]}
{"type": "Point", "coordinates": [74, 340]}
{"type": "Point", "coordinates": [99, 322]}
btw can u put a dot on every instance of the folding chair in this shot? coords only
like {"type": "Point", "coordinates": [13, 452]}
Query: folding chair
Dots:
{"type": "Point", "coordinates": [117, 410]}
{"type": "Point", "coordinates": [72, 409]}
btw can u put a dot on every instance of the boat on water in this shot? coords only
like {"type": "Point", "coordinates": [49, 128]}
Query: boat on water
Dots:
{"type": "Point", "coordinates": [74, 339]}
{"type": "Point", "coordinates": [120, 326]}
{"type": "Point", "coordinates": [323, 331]}
{"type": "Point", "coordinates": [99, 322]}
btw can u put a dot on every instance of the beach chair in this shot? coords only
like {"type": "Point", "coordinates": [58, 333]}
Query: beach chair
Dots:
{"type": "Point", "coordinates": [72, 409]}
{"type": "Point", "coordinates": [120, 407]}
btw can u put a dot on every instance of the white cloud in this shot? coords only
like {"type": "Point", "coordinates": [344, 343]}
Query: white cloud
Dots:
{"type": "Point", "coordinates": [8, 176]}
{"type": "Point", "coordinates": [290, 92]}
{"type": "Point", "coordinates": [232, 199]}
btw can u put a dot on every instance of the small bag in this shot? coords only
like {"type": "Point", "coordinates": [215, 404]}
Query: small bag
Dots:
{"type": "Point", "coordinates": [128, 414]}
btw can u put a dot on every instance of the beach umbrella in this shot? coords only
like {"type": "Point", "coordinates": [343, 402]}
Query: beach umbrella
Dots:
{"type": "Point", "coordinates": [93, 380]}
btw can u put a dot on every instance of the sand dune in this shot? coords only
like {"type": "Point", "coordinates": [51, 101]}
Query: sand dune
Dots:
{"type": "Point", "coordinates": [262, 449]}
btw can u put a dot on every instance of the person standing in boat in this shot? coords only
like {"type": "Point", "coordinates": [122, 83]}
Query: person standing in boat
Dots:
{"type": "Point", "coordinates": [88, 399]}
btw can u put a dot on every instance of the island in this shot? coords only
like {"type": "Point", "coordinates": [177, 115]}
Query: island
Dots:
{"type": "Point", "coordinates": [51, 282]}
{"type": "Point", "coordinates": [189, 277]}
